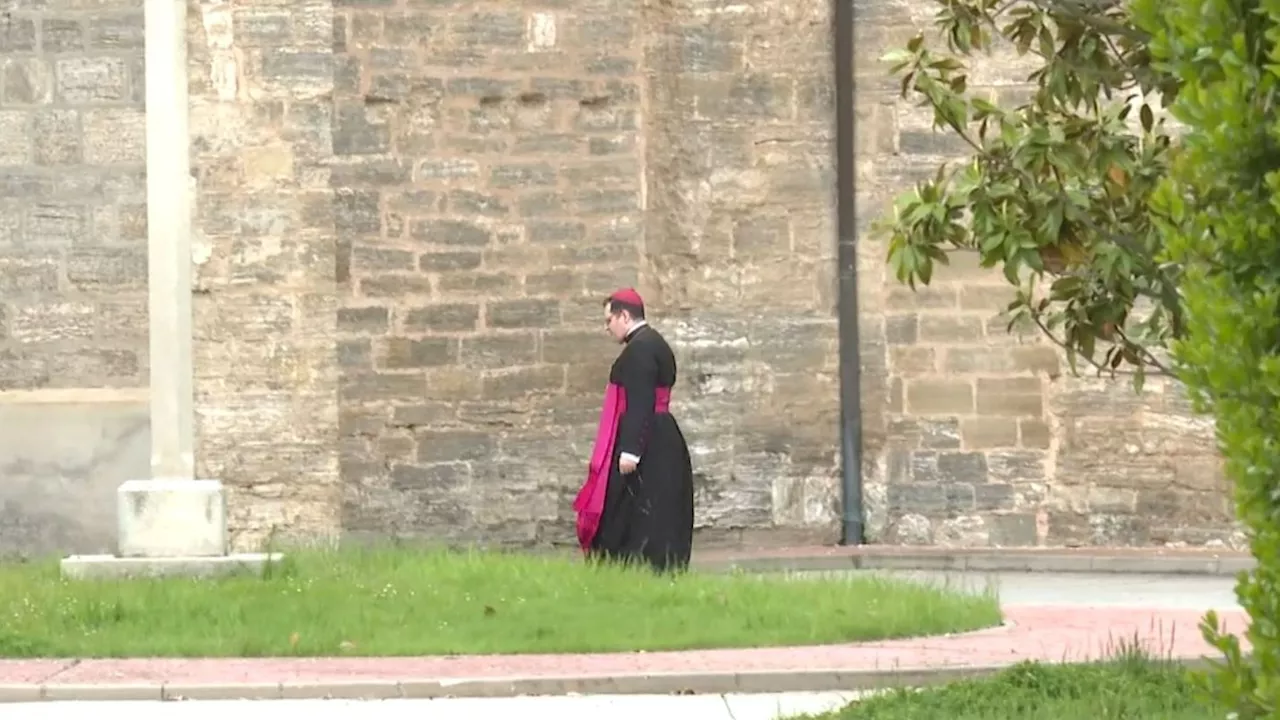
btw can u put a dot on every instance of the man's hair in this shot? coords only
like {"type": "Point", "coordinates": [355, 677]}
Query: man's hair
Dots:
{"type": "Point", "coordinates": [616, 306]}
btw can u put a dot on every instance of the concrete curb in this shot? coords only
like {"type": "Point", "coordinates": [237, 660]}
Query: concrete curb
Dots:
{"type": "Point", "coordinates": [985, 561]}
{"type": "Point", "coordinates": [713, 683]}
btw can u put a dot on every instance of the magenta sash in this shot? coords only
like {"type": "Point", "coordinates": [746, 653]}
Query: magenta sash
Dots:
{"type": "Point", "coordinates": [590, 501]}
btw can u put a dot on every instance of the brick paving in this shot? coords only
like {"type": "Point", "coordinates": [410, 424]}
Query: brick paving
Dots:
{"type": "Point", "coordinates": [1036, 633]}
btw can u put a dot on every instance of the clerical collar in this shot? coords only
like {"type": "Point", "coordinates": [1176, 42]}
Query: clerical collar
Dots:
{"type": "Point", "coordinates": [635, 328]}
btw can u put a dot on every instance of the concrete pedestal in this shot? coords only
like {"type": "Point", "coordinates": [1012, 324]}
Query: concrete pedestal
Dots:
{"type": "Point", "coordinates": [111, 567]}
{"type": "Point", "coordinates": [169, 527]}
{"type": "Point", "coordinates": [171, 518]}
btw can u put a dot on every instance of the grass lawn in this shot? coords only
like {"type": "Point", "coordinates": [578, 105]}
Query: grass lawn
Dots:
{"type": "Point", "coordinates": [414, 602]}
{"type": "Point", "coordinates": [1130, 687]}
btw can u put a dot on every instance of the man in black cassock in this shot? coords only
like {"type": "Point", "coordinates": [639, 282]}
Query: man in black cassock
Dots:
{"type": "Point", "coordinates": [644, 510]}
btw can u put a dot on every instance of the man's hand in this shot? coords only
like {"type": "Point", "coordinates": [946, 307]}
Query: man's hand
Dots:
{"type": "Point", "coordinates": [626, 464]}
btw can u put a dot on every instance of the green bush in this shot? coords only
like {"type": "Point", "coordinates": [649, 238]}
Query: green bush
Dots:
{"type": "Point", "coordinates": [1122, 235]}
{"type": "Point", "coordinates": [1219, 213]}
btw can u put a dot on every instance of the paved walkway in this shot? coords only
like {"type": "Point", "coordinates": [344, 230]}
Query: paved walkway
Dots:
{"type": "Point", "coordinates": [1193, 561]}
{"type": "Point", "coordinates": [1076, 589]}
{"type": "Point", "coordinates": [1047, 634]}
{"type": "Point", "coordinates": [615, 707]}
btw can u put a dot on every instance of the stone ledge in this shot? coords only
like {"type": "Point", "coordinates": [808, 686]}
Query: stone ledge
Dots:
{"type": "Point", "coordinates": [699, 683]}
{"type": "Point", "coordinates": [1100, 560]}
{"type": "Point", "coordinates": [110, 567]}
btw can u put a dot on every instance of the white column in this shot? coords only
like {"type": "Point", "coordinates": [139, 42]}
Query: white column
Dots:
{"type": "Point", "coordinates": [170, 514]}
{"type": "Point", "coordinates": [169, 209]}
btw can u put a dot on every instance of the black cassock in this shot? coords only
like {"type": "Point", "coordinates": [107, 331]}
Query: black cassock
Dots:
{"type": "Point", "coordinates": [648, 514]}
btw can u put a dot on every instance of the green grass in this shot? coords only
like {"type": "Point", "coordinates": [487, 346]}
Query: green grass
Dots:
{"type": "Point", "coordinates": [1128, 687]}
{"type": "Point", "coordinates": [391, 601]}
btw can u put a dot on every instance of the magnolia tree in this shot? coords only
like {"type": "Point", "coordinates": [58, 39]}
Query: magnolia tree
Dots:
{"type": "Point", "coordinates": [1056, 190]}
{"type": "Point", "coordinates": [1135, 248]}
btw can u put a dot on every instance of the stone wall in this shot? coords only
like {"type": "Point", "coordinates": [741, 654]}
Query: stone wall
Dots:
{"type": "Point", "coordinates": [73, 270]}
{"type": "Point", "coordinates": [73, 221]}
{"type": "Point", "coordinates": [261, 80]}
{"type": "Point", "coordinates": [740, 258]}
{"type": "Point", "coordinates": [408, 213]}
{"type": "Point", "coordinates": [488, 189]}
{"type": "Point", "coordinates": [988, 437]}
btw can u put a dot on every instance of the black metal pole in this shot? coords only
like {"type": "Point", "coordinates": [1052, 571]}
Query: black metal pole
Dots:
{"type": "Point", "coordinates": [847, 263]}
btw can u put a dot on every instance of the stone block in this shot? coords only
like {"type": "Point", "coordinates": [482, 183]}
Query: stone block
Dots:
{"type": "Point", "coordinates": [1034, 433]}
{"type": "Point", "coordinates": [531, 313]}
{"type": "Point", "coordinates": [61, 35]}
{"type": "Point", "coordinates": [496, 351]}
{"type": "Point", "coordinates": [451, 232]}
{"type": "Point", "coordinates": [954, 329]}
{"type": "Point", "coordinates": [30, 272]}
{"type": "Point", "coordinates": [381, 387]}
{"type": "Point", "coordinates": [448, 317]}
{"type": "Point", "coordinates": [522, 176]}
{"type": "Point", "coordinates": [26, 81]}
{"type": "Point", "coordinates": [1008, 398]}
{"type": "Point", "coordinates": [15, 137]}
{"type": "Point", "coordinates": [939, 397]}
{"type": "Point", "coordinates": [374, 260]}
{"type": "Point", "coordinates": [399, 353]}
{"type": "Point", "coordinates": [90, 80]}
{"type": "Point", "coordinates": [171, 518]}
{"type": "Point", "coordinates": [476, 204]}
{"type": "Point", "coordinates": [450, 261]}
{"type": "Point", "coordinates": [56, 224]}
{"type": "Point", "coordinates": [116, 32]}
{"type": "Point", "coordinates": [53, 322]}
{"type": "Point", "coordinates": [354, 133]}
{"type": "Point", "coordinates": [391, 285]}
{"type": "Point", "coordinates": [115, 136]}
{"type": "Point", "coordinates": [987, 433]}
{"type": "Point", "coordinates": [57, 138]}
{"type": "Point", "coordinates": [107, 268]}
{"type": "Point", "coordinates": [364, 320]}
{"type": "Point", "coordinates": [17, 34]}
{"type": "Point", "coordinates": [1014, 530]}
{"type": "Point", "coordinates": [357, 212]}
{"type": "Point", "coordinates": [987, 360]}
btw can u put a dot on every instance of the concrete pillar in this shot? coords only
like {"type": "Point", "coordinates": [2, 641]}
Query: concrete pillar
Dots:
{"type": "Point", "coordinates": [170, 523]}
{"type": "Point", "coordinates": [170, 189]}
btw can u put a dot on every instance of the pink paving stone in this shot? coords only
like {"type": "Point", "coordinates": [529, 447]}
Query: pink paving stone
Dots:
{"type": "Point", "coordinates": [1038, 633]}
{"type": "Point", "coordinates": [30, 671]}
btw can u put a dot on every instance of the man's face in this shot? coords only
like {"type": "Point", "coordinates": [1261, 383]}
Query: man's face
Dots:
{"type": "Point", "coordinates": [616, 323]}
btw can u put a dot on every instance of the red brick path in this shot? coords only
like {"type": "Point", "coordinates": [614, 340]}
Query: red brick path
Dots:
{"type": "Point", "coordinates": [1046, 634]}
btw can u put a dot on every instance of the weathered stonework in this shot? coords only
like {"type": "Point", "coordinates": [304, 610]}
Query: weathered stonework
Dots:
{"type": "Point", "coordinates": [265, 305]}
{"type": "Point", "coordinates": [740, 256]}
{"type": "Point", "coordinates": [73, 270]}
{"type": "Point", "coordinates": [409, 211]}
{"type": "Point", "coordinates": [487, 188]}
{"type": "Point", "coordinates": [73, 262]}
{"type": "Point", "coordinates": [987, 437]}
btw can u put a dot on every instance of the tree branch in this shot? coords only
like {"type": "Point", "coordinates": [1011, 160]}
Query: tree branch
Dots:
{"type": "Point", "coordinates": [1044, 329]}
{"type": "Point", "coordinates": [1090, 13]}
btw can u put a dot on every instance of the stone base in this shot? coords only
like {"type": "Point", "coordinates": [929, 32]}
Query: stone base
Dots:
{"type": "Point", "coordinates": [109, 567]}
{"type": "Point", "coordinates": [171, 518]}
